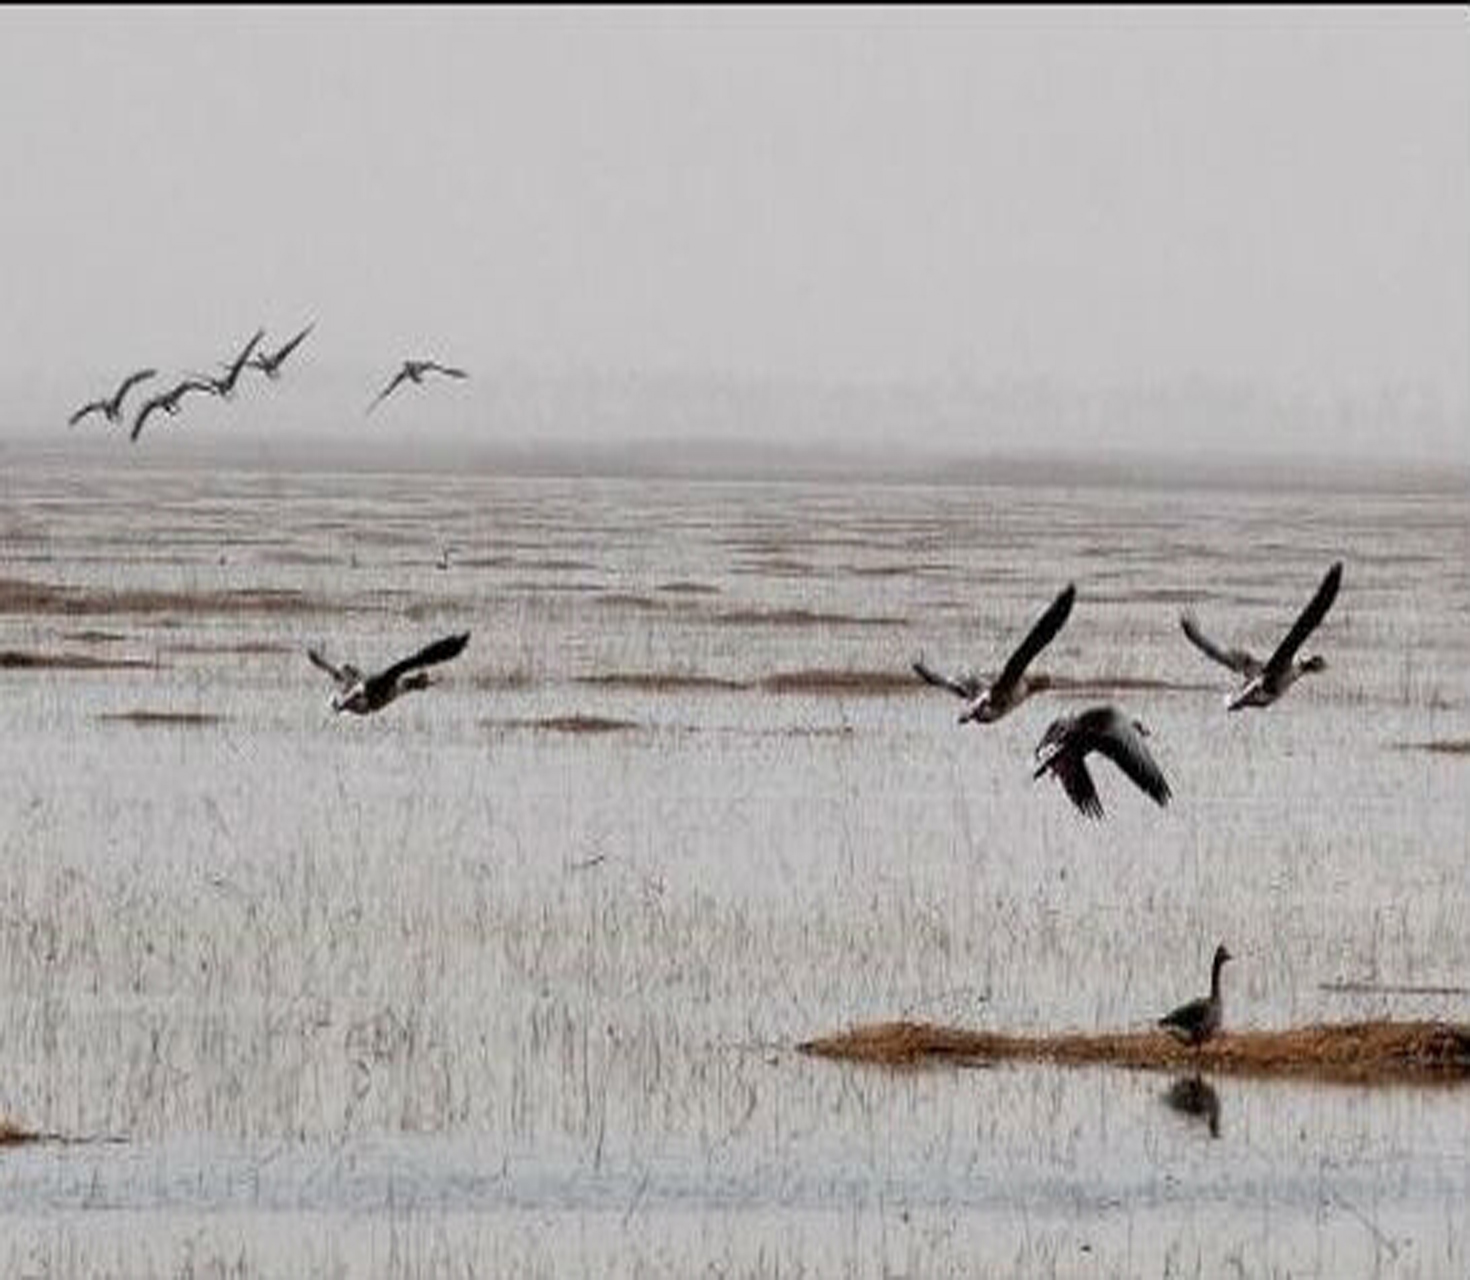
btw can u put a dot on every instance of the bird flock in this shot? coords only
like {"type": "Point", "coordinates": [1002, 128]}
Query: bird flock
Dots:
{"type": "Point", "coordinates": [224, 383]}
{"type": "Point", "coordinates": [1105, 730]}
{"type": "Point", "coordinates": [1111, 732]}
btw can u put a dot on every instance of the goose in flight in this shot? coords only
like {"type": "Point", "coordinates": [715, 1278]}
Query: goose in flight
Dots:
{"type": "Point", "coordinates": [111, 409]}
{"type": "Point", "coordinates": [1197, 1021]}
{"type": "Point", "coordinates": [225, 386]}
{"type": "Point", "coordinates": [168, 401]}
{"type": "Point", "coordinates": [1064, 748]}
{"type": "Point", "coordinates": [270, 362]}
{"type": "Point", "coordinates": [1009, 689]}
{"type": "Point", "coordinates": [1267, 681]}
{"type": "Point", "coordinates": [363, 695]}
{"type": "Point", "coordinates": [413, 371]}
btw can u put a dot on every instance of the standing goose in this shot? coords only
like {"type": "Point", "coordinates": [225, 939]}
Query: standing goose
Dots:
{"type": "Point", "coordinates": [168, 401]}
{"type": "Point", "coordinates": [269, 363]}
{"type": "Point", "coordinates": [1065, 745]}
{"type": "Point", "coordinates": [1267, 681]}
{"type": "Point", "coordinates": [1010, 688]}
{"type": "Point", "coordinates": [363, 695]}
{"type": "Point", "coordinates": [111, 409]}
{"type": "Point", "coordinates": [413, 371]}
{"type": "Point", "coordinates": [1197, 1021]}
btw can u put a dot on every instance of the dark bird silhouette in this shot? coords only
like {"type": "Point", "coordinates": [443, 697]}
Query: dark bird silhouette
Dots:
{"type": "Point", "coordinates": [270, 362]}
{"type": "Point", "coordinates": [225, 386]}
{"type": "Point", "coordinates": [1065, 745]}
{"type": "Point", "coordinates": [111, 408]}
{"type": "Point", "coordinates": [1267, 681]}
{"type": "Point", "coordinates": [1197, 1021]}
{"type": "Point", "coordinates": [413, 371]}
{"type": "Point", "coordinates": [363, 695]}
{"type": "Point", "coordinates": [1012, 686]}
{"type": "Point", "coordinates": [168, 401]}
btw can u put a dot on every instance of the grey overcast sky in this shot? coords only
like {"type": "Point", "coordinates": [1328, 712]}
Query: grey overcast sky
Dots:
{"type": "Point", "coordinates": [1001, 225]}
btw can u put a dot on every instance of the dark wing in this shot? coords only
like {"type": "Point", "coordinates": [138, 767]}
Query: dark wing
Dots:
{"type": "Point", "coordinates": [1315, 611]}
{"type": "Point", "coordinates": [1039, 637]}
{"type": "Point", "coordinates": [1071, 770]}
{"type": "Point", "coordinates": [240, 360]}
{"type": "Point", "coordinates": [1238, 660]}
{"type": "Point", "coordinates": [132, 381]}
{"type": "Point", "coordinates": [155, 402]}
{"type": "Point", "coordinates": [447, 370]}
{"type": "Point", "coordinates": [291, 346]}
{"type": "Point", "coordinates": [389, 389]}
{"type": "Point", "coordinates": [963, 685]}
{"type": "Point", "coordinates": [439, 651]}
{"type": "Point", "coordinates": [97, 406]}
{"type": "Point", "coordinates": [194, 384]}
{"type": "Point", "coordinates": [1124, 746]}
{"type": "Point", "coordinates": [344, 676]}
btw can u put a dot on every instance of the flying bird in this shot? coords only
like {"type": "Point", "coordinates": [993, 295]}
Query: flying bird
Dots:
{"type": "Point", "coordinates": [1267, 681]}
{"type": "Point", "coordinates": [1009, 689]}
{"type": "Point", "coordinates": [111, 409]}
{"type": "Point", "coordinates": [1064, 748]}
{"type": "Point", "coordinates": [413, 371]}
{"type": "Point", "coordinates": [225, 386]}
{"type": "Point", "coordinates": [1197, 1021]}
{"type": "Point", "coordinates": [270, 362]}
{"type": "Point", "coordinates": [168, 401]}
{"type": "Point", "coordinates": [363, 695]}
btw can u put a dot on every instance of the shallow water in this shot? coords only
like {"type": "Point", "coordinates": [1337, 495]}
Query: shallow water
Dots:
{"type": "Point", "coordinates": [508, 978]}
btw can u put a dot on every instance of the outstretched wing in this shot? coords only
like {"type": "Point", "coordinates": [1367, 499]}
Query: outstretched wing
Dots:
{"type": "Point", "coordinates": [131, 381]}
{"type": "Point", "coordinates": [389, 389]}
{"type": "Point", "coordinates": [449, 371]}
{"type": "Point", "coordinates": [1071, 771]}
{"type": "Point", "coordinates": [1038, 638]}
{"type": "Point", "coordinates": [344, 676]}
{"type": "Point", "coordinates": [149, 406]}
{"type": "Point", "coordinates": [963, 684]}
{"type": "Point", "coordinates": [1238, 660]}
{"type": "Point", "coordinates": [279, 357]}
{"type": "Point", "coordinates": [96, 406]}
{"type": "Point", "coordinates": [1315, 611]}
{"type": "Point", "coordinates": [1121, 742]}
{"type": "Point", "coordinates": [439, 651]}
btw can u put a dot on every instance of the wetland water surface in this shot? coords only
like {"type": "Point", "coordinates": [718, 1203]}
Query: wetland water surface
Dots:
{"type": "Point", "coordinates": [509, 978]}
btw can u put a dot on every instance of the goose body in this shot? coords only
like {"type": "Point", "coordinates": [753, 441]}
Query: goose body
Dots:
{"type": "Point", "coordinates": [414, 371]}
{"type": "Point", "coordinates": [1069, 740]}
{"type": "Point", "coordinates": [1197, 1021]}
{"type": "Point", "coordinates": [985, 704]}
{"type": "Point", "coordinates": [362, 695]}
{"type": "Point", "coordinates": [1266, 681]}
{"type": "Point", "coordinates": [225, 386]}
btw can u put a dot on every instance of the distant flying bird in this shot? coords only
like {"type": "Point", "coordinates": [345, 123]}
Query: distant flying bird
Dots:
{"type": "Point", "coordinates": [1197, 1021]}
{"type": "Point", "coordinates": [225, 386]}
{"type": "Point", "coordinates": [1064, 748]}
{"type": "Point", "coordinates": [112, 409]}
{"type": "Point", "coordinates": [413, 371]}
{"type": "Point", "coordinates": [1267, 681]}
{"type": "Point", "coordinates": [363, 695]}
{"type": "Point", "coordinates": [168, 401]}
{"type": "Point", "coordinates": [1012, 686]}
{"type": "Point", "coordinates": [269, 363]}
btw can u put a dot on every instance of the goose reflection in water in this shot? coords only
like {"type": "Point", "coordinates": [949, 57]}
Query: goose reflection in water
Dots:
{"type": "Point", "coordinates": [1194, 1097]}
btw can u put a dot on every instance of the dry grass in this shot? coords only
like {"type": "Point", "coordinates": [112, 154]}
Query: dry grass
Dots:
{"type": "Point", "coordinates": [803, 618]}
{"type": "Point", "coordinates": [18, 660]}
{"type": "Point", "coordinates": [147, 718]}
{"type": "Point", "coordinates": [661, 681]}
{"type": "Point", "coordinates": [1352, 1052]}
{"type": "Point", "coordinates": [1441, 746]}
{"type": "Point", "coordinates": [826, 680]}
{"type": "Point", "coordinates": [567, 724]}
